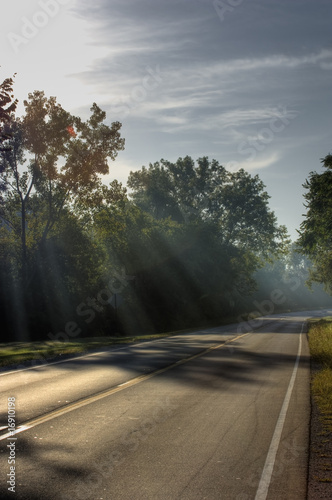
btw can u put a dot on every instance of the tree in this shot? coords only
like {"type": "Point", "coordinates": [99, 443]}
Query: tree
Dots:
{"type": "Point", "coordinates": [7, 108]}
{"type": "Point", "coordinates": [235, 202]}
{"type": "Point", "coordinates": [179, 190]}
{"type": "Point", "coordinates": [51, 169]}
{"type": "Point", "coordinates": [316, 230]}
{"type": "Point", "coordinates": [228, 227]}
{"type": "Point", "coordinates": [182, 276]}
{"type": "Point", "coordinates": [55, 160]}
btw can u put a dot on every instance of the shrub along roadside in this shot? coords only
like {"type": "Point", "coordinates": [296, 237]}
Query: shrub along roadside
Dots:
{"type": "Point", "coordinates": [320, 343]}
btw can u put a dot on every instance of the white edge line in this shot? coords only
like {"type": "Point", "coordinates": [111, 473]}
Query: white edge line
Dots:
{"type": "Point", "coordinates": [265, 480]}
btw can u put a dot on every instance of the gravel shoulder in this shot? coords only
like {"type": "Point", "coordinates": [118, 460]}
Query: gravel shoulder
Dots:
{"type": "Point", "coordinates": [320, 455]}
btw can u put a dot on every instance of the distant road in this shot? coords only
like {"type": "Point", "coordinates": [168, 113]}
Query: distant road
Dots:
{"type": "Point", "coordinates": [221, 413]}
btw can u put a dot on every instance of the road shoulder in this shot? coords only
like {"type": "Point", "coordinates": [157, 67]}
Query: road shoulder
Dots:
{"type": "Point", "coordinates": [320, 456]}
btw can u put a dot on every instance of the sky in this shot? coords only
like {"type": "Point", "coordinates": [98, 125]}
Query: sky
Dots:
{"type": "Point", "coordinates": [245, 82]}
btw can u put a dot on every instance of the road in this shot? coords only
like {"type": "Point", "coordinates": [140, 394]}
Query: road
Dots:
{"type": "Point", "coordinates": [214, 414]}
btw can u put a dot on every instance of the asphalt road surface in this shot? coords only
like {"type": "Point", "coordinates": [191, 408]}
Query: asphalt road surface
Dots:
{"type": "Point", "coordinates": [214, 414]}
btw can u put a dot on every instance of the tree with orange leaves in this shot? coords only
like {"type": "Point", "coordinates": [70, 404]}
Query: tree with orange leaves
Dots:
{"type": "Point", "coordinates": [54, 161]}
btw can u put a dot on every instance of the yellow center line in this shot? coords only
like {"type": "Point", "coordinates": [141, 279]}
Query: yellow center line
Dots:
{"type": "Point", "coordinates": [125, 385]}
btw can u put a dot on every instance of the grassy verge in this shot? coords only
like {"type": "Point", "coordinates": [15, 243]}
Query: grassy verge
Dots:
{"type": "Point", "coordinates": [320, 343]}
{"type": "Point", "coordinates": [19, 352]}
{"type": "Point", "coordinates": [14, 353]}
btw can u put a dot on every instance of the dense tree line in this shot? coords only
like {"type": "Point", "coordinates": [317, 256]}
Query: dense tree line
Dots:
{"type": "Point", "coordinates": [316, 230]}
{"type": "Point", "coordinates": [189, 243]}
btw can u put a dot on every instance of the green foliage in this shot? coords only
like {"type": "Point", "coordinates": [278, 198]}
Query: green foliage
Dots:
{"type": "Point", "coordinates": [235, 202]}
{"type": "Point", "coordinates": [7, 107]}
{"type": "Point", "coordinates": [185, 274]}
{"type": "Point", "coordinates": [225, 216]}
{"type": "Point", "coordinates": [316, 230]}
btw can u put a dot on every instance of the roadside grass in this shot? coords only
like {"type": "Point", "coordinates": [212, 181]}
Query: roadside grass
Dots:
{"type": "Point", "coordinates": [19, 352]}
{"type": "Point", "coordinates": [13, 353]}
{"type": "Point", "coordinates": [320, 343]}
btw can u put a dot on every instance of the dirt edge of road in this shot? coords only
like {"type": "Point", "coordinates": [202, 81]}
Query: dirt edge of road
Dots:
{"type": "Point", "coordinates": [320, 454]}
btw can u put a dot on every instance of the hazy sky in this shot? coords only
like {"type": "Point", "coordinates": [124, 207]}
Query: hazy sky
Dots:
{"type": "Point", "coordinates": [247, 82]}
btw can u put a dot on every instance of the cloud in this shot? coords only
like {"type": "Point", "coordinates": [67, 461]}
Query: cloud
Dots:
{"type": "Point", "coordinates": [202, 95]}
{"type": "Point", "coordinates": [253, 165]}
{"type": "Point", "coordinates": [274, 61]}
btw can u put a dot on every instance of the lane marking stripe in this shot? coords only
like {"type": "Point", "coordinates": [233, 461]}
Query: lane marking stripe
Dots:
{"type": "Point", "coordinates": [266, 476]}
{"type": "Point", "coordinates": [109, 392]}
